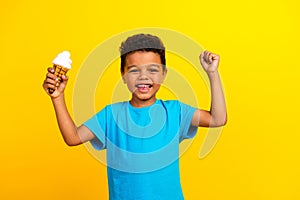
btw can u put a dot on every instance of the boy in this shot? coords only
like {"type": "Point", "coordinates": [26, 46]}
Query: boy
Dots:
{"type": "Point", "coordinates": [142, 135]}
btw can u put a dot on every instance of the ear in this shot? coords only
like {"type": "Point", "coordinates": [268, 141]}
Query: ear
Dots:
{"type": "Point", "coordinates": [164, 75]}
{"type": "Point", "coordinates": [123, 78]}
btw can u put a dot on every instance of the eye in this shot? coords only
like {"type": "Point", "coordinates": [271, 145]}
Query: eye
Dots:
{"type": "Point", "coordinates": [153, 70]}
{"type": "Point", "coordinates": [133, 71]}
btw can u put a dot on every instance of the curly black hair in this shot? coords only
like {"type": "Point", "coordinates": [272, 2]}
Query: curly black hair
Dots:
{"type": "Point", "coordinates": [142, 42]}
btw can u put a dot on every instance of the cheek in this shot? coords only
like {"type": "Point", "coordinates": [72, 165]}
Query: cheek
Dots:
{"type": "Point", "coordinates": [158, 79]}
{"type": "Point", "coordinates": [130, 82]}
{"type": "Point", "coordinates": [126, 78]}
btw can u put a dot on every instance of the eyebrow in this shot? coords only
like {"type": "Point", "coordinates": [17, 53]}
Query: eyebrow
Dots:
{"type": "Point", "coordinates": [148, 65]}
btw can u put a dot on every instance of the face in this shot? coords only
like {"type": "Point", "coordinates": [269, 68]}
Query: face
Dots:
{"type": "Point", "coordinates": [143, 74]}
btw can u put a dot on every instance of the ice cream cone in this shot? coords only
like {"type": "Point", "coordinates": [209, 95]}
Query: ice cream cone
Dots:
{"type": "Point", "coordinates": [61, 65]}
{"type": "Point", "coordinates": [58, 71]}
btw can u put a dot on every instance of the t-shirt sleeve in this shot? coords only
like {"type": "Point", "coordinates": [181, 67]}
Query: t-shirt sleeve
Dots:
{"type": "Point", "coordinates": [97, 124]}
{"type": "Point", "coordinates": [186, 114]}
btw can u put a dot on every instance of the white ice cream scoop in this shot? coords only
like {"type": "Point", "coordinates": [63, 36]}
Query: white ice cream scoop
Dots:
{"type": "Point", "coordinates": [63, 59]}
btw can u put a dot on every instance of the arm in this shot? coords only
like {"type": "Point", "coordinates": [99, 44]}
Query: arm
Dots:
{"type": "Point", "coordinates": [71, 134]}
{"type": "Point", "coordinates": [217, 116]}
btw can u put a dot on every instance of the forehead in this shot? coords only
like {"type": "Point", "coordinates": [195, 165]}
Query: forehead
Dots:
{"type": "Point", "coordinates": [140, 58]}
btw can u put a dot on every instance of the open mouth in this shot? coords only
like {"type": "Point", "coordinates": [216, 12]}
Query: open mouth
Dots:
{"type": "Point", "coordinates": [142, 86]}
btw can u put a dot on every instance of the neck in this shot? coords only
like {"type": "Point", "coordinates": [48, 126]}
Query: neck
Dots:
{"type": "Point", "coordinates": [142, 103]}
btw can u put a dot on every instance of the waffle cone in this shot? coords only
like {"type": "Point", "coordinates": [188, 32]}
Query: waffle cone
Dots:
{"type": "Point", "coordinates": [58, 71]}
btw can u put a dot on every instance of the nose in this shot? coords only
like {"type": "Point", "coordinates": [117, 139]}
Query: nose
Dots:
{"type": "Point", "coordinates": [143, 75]}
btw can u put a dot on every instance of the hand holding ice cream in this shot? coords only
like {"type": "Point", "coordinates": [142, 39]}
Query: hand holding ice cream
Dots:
{"type": "Point", "coordinates": [56, 75]}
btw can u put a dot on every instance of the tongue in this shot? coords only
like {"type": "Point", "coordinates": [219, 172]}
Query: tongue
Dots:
{"type": "Point", "coordinates": [143, 88]}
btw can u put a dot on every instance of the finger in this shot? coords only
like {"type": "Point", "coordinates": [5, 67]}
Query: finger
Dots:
{"type": "Point", "coordinates": [205, 54]}
{"type": "Point", "coordinates": [48, 86]}
{"type": "Point", "coordinates": [51, 70]}
{"type": "Point", "coordinates": [202, 56]}
{"type": "Point", "coordinates": [209, 57]}
{"type": "Point", "coordinates": [216, 57]}
{"type": "Point", "coordinates": [64, 82]}
{"type": "Point", "coordinates": [51, 81]}
{"type": "Point", "coordinates": [206, 57]}
{"type": "Point", "coordinates": [64, 77]}
{"type": "Point", "coordinates": [50, 75]}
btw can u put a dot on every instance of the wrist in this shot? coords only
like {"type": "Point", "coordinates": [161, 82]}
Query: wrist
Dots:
{"type": "Point", "coordinates": [212, 73]}
{"type": "Point", "coordinates": [58, 98]}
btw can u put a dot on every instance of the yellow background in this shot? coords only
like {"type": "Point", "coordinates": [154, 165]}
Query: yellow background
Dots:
{"type": "Point", "coordinates": [257, 156]}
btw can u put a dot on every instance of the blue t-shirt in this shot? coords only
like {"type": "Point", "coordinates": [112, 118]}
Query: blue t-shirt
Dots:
{"type": "Point", "coordinates": [143, 148]}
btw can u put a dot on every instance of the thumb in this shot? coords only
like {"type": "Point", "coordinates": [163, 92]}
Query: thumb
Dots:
{"type": "Point", "coordinates": [64, 81]}
{"type": "Point", "coordinates": [64, 78]}
{"type": "Point", "coordinates": [202, 59]}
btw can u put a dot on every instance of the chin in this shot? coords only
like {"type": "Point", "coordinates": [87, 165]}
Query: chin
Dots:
{"type": "Point", "coordinates": [143, 97]}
